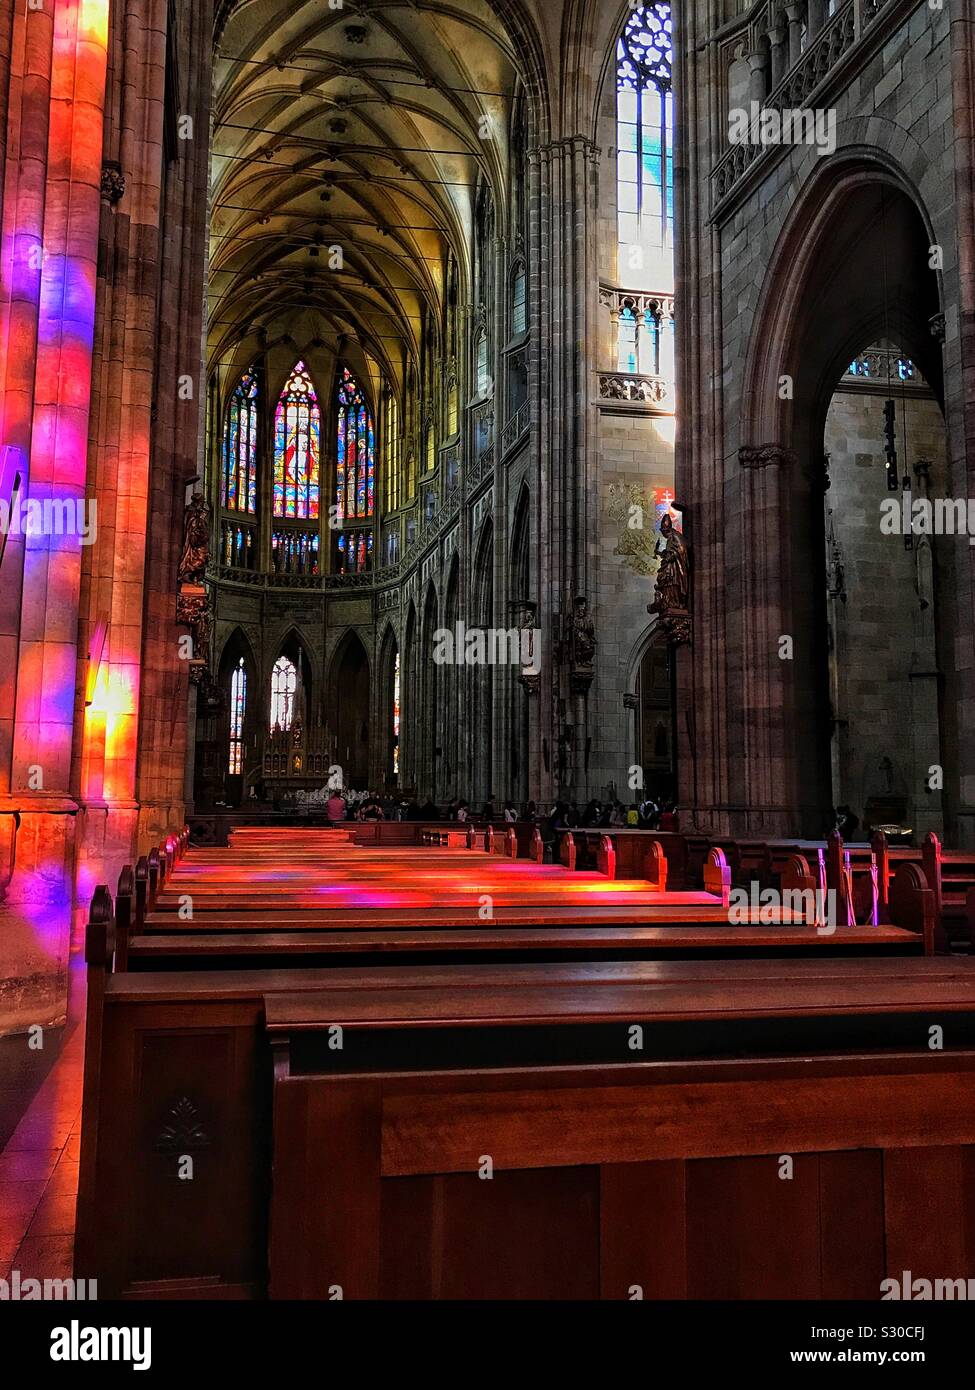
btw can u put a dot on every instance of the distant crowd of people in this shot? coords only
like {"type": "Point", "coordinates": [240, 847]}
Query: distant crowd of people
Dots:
{"type": "Point", "coordinates": [564, 815]}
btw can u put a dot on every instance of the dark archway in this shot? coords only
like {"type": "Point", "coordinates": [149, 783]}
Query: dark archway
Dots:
{"type": "Point", "coordinates": [482, 676]}
{"type": "Point", "coordinates": [348, 710]}
{"type": "Point", "coordinates": [427, 721]}
{"type": "Point", "coordinates": [852, 266]}
{"type": "Point", "coordinates": [449, 763]}
{"type": "Point", "coordinates": [391, 709]}
{"type": "Point", "coordinates": [408, 713]}
{"type": "Point", "coordinates": [521, 601]}
{"type": "Point", "coordinates": [228, 731]}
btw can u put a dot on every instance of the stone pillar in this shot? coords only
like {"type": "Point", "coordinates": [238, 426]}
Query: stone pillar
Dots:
{"type": "Point", "coordinates": [778, 40]}
{"type": "Point", "coordinates": [563, 259]}
{"type": "Point", "coordinates": [50, 237]}
{"type": "Point", "coordinates": [756, 76]}
{"type": "Point", "coordinates": [816, 14]}
{"type": "Point", "coordinates": [763, 680]}
{"type": "Point", "coordinates": [794, 16]}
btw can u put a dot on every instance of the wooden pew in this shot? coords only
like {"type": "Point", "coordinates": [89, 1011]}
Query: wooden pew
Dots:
{"type": "Point", "coordinates": [717, 876]}
{"type": "Point", "coordinates": [440, 1066]}
{"type": "Point", "coordinates": [951, 878]}
{"type": "Point", "coordinates": [912, 906]}
{"type": "Point", "coordinates": [568, 852]}
{"type": "Point", "coordinates": [606, 857]}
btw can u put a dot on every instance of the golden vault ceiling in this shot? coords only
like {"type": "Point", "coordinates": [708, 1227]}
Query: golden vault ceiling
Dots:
{"type": "Point", "coordinates": [366, 128]}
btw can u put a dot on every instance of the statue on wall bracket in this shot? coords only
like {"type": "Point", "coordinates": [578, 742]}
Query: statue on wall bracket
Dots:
{"type": "Point", "coordinates": [196, 541]}
{"type": "Point", "coordinates": [582, 647]}
{"type": "Point", "coordinates": [529, 677]}
{"type": "Point", "coordinates": [670, 602]}
{"type": "Point", "coordinates": [193, 603]}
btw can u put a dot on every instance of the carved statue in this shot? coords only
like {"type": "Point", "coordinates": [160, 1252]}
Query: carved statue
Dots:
{"type": "Point", "coordinates": [673, 587]}
{"type": "Point", "coordinates": [672, 582]}
{"type": "Point", "coordinates": [583, 634]}
{"type": "Point", "coordinates": [196, 541]}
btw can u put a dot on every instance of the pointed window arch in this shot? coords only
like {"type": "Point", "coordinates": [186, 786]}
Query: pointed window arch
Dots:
{"type": "Point", "coordinates": [238, 707]}
{"type": "Point", "coordinates": [284, 687]}
{"type": "Point", "coordinates": [297, 447]}
{"type": "Point", "coordinates": [238, 484]}
{"type": "Point", "coordinates": [519, 299]}
{"type": "Point", "coordinates": [645, 145]}
{"type": "Point", "coordinates": [355, 472]}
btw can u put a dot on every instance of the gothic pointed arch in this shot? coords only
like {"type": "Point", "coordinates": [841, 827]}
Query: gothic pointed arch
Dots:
{"type": "Point", "coordinates": [348, 706]}
{"type": "Point", "coordinates": [390, 706]}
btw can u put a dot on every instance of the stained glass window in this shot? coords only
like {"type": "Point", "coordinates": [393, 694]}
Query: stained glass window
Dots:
{"type": "Point", "coordinates": [297, 446]}
{"type": "Point", "coordinates": [645, 144]}
{"type": "Point", "coordinates": [396, 715]}
{"type": "Point", "coordinates": [238, 702]}
{"type": "Point", "coordinates": [628, 361]}
{"type": "Point", "coordinates": [355, 471]}
{"type": "Point", "coordinates": [483, 377]}
{"type": "Point", "coordinates": [354, 551]}
{"type": "Point", "coordinates": [294, 551]}
{"type": "Point", "coordinates": [390, 455]}
{"type": "Point", "coordinates": [238, 484]}
{"type": "Point", "coordinates": [519, 308]}
{"type": "Point", "coordinates": [238, 547]}
{"type": "Point", "coordinates": [284, 685]}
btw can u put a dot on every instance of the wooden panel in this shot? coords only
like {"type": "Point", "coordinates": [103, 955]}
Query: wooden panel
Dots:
{"type": "Point", "coordinates": [642, 1230]}
{"type": "Point", "coordinates": [541, 1128]}
{"type": "Point", "coordinates": [930, 1212]}
{"type": "Point", "coordinates": [518, 1235]}
{"type": "Point", "coordinates": [325, 1198]}
{"type": "Point", "coordinates": [851, 1192]}
{"type": "Point", "coordinates": [150, 1231]}
{"type": "Point", "coordinates": [751, 1233]}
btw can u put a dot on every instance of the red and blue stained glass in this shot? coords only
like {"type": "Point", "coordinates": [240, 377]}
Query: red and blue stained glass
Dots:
{"type": "Point", "coordinates": [355, 471]}
{"type": "Point", "coordinates": [297, 447]}
{"type": "Point", "coordinates": [238, 491]}
{"type": "Point", "coordinates": [238, 703]}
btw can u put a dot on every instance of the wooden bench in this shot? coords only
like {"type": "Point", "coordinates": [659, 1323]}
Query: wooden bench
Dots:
{"type": "Point", "coordinates": [612, 1166]}
{"type": "Point", "coordinates": [951, 877]}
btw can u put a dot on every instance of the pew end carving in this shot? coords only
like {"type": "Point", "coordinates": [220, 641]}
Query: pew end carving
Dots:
{"type": "Point", "coordinates": [717, 876]}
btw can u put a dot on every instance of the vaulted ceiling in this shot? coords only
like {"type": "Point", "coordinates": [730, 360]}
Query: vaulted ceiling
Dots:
{"type": "Point", "coordinates": [364, 127]}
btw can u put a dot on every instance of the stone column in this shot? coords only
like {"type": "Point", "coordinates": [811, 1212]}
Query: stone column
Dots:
{"type": "Point", "coordinates": [763, 647]}
{"type": "Point", "coordinates": [778, 40]}
{"type": "Point", "coordinates": [563, 260]}
{"type": "Point", "coordinates": [793, 15]}
{"type": "Point", "coordinates": [50, 238]}
{"type": "Point", "coordinates": [756, 76]}
{"type": "Point", "coordinates": [816, 14]}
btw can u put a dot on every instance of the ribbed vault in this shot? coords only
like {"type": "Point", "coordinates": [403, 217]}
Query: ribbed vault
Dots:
{"type": "Point", "coordinates": [365, 128]}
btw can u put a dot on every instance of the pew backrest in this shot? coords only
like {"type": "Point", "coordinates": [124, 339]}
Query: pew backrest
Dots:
{"type": "Point", "coordinates": [717, 876]}
{"type": "Point", "coordinates": [606, 857]}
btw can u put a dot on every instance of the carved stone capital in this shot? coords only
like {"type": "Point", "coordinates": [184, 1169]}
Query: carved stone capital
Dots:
{"type": "Point", "coordinates": [580, 679]}
{"type": "Point", "coordinates": [112, 182]}
{"type": "Point", "coordinates": [765, 455]}
{"type": "Point", "coordinates": [677, 627]}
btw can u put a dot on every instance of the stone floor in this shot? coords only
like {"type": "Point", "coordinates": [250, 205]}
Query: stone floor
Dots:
{"type": "Point", "coordinates": [39, 1160]}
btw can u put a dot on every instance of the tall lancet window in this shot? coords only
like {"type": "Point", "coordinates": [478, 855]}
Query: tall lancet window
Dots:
{"type": "Point", "coordinates": [238, 705]}
{"type": "Point", "coordinates": [355, 476]}
{"type": "Point", "coordinates": [645, 143]}
{"type": "Point", "coordinates": [297, 448]}
{"type": "Point", "coordinates": [238, 485]}
{"type": "Point", "coordinates": [284, 687]}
